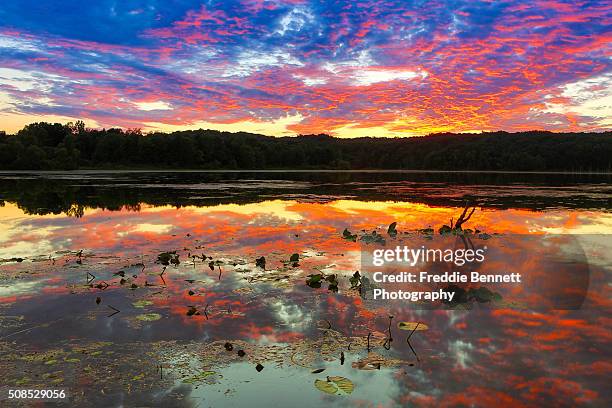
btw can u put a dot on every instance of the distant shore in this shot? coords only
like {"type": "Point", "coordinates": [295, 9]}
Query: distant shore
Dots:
{"type": "Point", "coordinates": [53, 146]}
{"type": "Point", "coordinates": [172, 170]}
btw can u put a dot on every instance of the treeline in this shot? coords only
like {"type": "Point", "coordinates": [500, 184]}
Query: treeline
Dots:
{"type": "Point", "coordinates": [46, 146]}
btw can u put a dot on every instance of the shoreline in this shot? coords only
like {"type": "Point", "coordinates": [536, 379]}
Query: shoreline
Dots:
{"type": "Point", "coordinates": [407, 171]}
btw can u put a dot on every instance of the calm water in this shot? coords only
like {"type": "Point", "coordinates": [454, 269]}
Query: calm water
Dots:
{"type": "Point", "coordinates": [86, 305]}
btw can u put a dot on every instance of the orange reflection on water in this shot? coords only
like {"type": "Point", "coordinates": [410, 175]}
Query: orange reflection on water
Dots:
{"type": "Point", "coordinates": [504, 357]}
{"type": "Point", "coordinates": [266, 226]}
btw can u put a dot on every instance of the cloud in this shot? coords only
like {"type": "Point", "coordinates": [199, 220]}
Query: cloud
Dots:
{"type": "Point", "coordinates": [372, 76]}
{"type": "Point", "coordinates": [295, 20]}
{"type": "Point", "coordinates": [150, 106]}
{"type": "Point", "coordinates": [589, 98]}
{"type": "Point", "coordinates": [394, 68]}
{"type": "Point", "coordinates": [250, 61]}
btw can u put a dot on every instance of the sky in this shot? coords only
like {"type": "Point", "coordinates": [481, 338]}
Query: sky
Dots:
{"type": "Point", "coordinates": [346, 68]}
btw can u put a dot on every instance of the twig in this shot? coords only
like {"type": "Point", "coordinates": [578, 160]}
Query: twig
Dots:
{"type": "Point", "coordinates": [387, 344]}
{"type": "Point", "coordinates": [115, 311]}
{"type": "Point", "coordinates": [90, 277]}
{"type": "Point", "coordinates": [408, 341]}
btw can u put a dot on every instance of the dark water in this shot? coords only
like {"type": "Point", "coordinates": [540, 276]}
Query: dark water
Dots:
{"type": "Point", "coordinates": [65, 237]}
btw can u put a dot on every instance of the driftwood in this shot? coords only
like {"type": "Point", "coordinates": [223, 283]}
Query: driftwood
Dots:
{"type": "Point", "coordinates": [462, 218]}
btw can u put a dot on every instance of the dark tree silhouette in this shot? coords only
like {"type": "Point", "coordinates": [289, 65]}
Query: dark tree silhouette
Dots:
{"type": "Point", "coordinates": [47, 146]}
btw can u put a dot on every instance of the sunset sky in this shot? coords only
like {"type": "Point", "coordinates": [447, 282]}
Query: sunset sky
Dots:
{"type": "Point", "coordinates": [365, 68]}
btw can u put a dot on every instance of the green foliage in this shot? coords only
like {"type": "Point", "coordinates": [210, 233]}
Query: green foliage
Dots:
{"type": "Point", "coordinates": [47, 146]}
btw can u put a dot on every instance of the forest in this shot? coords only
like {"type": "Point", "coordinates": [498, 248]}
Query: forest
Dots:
{"type": "Point", "coordinates": [55, 146]}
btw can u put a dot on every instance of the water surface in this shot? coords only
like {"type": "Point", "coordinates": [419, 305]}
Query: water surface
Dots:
{"type": "Point", "coordinates": [78, 247]}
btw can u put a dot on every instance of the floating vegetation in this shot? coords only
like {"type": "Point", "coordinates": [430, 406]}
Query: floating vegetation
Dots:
{"type": "Point", "coordinates": [189, 360]}
{"type": "Point", "coordinates": [192, 311]}
{"type": "Point", "coordinates": [294, 260]}
{"type": "Point", "coordinates": [315, 281]}
{"type": "Point", "coordinates": [125, 369]}
{"type": "Point", "coordinates": [335, 385]}
{"type": "Point", "coordinates": [148, 317]}
{"type": "Point", "coordinates": [373, 238]}
{"type": "Point", "coordinates": [426, 231]}
{"type": "Point", "coordinates": [333, 283]}
{"type": "Point", "coordinates": [167, 258]}
{"type": "Point", "coordinates": [142, 303]}
{"type": "Point", "coordinates": [261, 262]}
{"type": "Point", "coordinates": [355, 280]}
{"type": "Point", "coordinates": [199, 378]}
{"type": "Point", "coordinates": [346, 234]}
{"type": "Point", "coordinates": [18, 260]}
{"type": "Point", "coordinates": [130, 282]}
{"type": "Point", "coordinates": [412, 326]}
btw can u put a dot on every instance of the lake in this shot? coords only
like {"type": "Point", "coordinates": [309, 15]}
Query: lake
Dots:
{"type": "Point", "coordinates": [149, 289]}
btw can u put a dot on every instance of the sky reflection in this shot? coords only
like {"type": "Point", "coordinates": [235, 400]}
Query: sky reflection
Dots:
{"type": "Point", "coordinates": [480, 357]}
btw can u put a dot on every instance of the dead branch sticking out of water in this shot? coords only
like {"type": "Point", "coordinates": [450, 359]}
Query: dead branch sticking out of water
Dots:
{"type": "Point", "coordinates": [463, 218]}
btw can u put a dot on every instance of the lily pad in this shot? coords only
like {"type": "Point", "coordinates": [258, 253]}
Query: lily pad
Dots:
{"type": "Point", "coordinates": [373, 238]}
{"type": "Point", "coordinates": [72, 360]}
{"type": "Point", "coordinates": [445, 230]}
{"type": "Point", "coordinates": [335, 385]}
{"type": "Point", "coordinates": [412, 326]}
{"type": "Point", "coordinates": [343, 383]}
{"type": "Point", "coordinates": [167, 258]}
{"type": "Point", "coordinates": [327, 387]}
{"type": "Point", "coordinates": [314, 281]}
{"type": "Point", "coordinates": [346, 234]}
{"type": "Point", "coordinates": [148, 317]}
{"type": "Point", "coordinates": [142, 303]}
{"type": "Point", "coordinates": [355, 280]}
